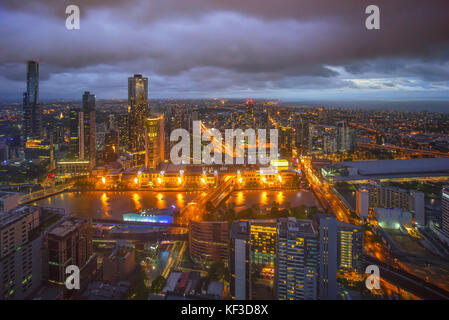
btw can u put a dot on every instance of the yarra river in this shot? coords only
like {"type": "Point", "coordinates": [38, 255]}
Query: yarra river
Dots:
{"type": "Point", "coordinates": [112, 204]}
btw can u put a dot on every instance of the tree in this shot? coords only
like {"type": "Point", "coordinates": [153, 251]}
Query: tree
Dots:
{"type": "Point", "coordinates": [313, 210]}
{"type": "Point", "coordinates": [209, 206]}
{"type": "Point", "coordinates": [138, 289]}
{"type": "Point", "coordinates": [158, 284]}
{"type": "Point", "coordinates": [217, 271]}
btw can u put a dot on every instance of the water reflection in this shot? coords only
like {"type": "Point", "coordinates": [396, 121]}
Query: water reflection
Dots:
{"type": "Point", "coordinates": [96, 204]}
{"type": "Point", "coordinates": [105, 205]}
{"type": "Point", "coordinates": [264, 199]}
{"type": "Point", "coordinates": [110, 204]}
{"type": "Point", "coordinates": [137, 203]}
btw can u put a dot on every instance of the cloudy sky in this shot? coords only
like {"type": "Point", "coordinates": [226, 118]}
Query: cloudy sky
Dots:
{"type": "Point", "coordinates": [288, 49]}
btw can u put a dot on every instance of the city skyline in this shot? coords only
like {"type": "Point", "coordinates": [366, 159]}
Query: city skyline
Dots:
{"type": "Point", "coordinates": [225, 151]}
{"type": "Point", "coordinates": [298, 51]}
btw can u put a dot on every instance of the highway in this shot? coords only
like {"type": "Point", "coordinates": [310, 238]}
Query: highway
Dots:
{"type": "Point", "coordinates": [402, 149]}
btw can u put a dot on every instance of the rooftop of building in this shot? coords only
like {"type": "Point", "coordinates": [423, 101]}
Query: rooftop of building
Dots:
{"type": "Point", "coordinates": [391, 168]}
{"type": "Point", "coordinates": [104, 291]}
{"type": "Point", "coordinates": [66, 227]}
{"type": "Point", "coordinates": [240, 229]}
{"type": "Point", "coordinates": [301, 226]}
{"type": "Point", "coordinates": [191, 285]}
{"type": "Point", "coordinates": [15, 214]}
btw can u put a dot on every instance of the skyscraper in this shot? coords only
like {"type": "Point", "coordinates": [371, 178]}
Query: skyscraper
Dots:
{"type": "Point", "coordinates": [87, 129]}
{"type": "Point", "coordinates": [297, 260]}
{"type": "Point", "coordinates": [340, 249]}
{"type": "Point", "coordinates": [252, 255]}
{"type": "Point", "coordinates": [121, 123]}
{"type": "Point", "coordinates": [137, 115]}
{"type": "Point", "coordinates": [31, 106]}
{"type": "Point", "coordinates": [20, 253]}
{"type": "Point", "coordinates": [111, 145]}
{"type": "Point", "coordinates": [68, 242]}
{"type": "Point", "coordinates": [74, 146]}
{"type": "Point", "coordinates": [154, 141]}
{"type": "Point", "coordinates": [345, 137]}
{"type": "Point", "coordinates": [445, 210]}
{"type": "Point", "coordinates": [327, 230]}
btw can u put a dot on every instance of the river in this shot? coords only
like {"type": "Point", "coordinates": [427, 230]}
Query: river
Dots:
{"type": "Point", "coordinates": [112, 204]}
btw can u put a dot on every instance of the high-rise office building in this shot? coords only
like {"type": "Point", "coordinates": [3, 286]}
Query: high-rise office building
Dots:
{"type": "Point", "coordinates": [327, 230]}
{"type": "Point", "coordinates": [154, 141]}
{"type": "Point", "coordinates": [87, 129]}
{"type": "Point", "coordinates": [302, 135]}
{"type": "Point", "coordinates": [121, 123]}
{"type": "Point", "coordinates": [74, 131]}
{"type": "Point", "coordinates": [209, 241]}
{"type": "Point", "coordinates": [31, 105]}
{"type": "Point", "coordinates": [111, 145]}
{"type": "Point", "coordinates": [340, 249]}
{"type": "Point", "coordinates": [137, 115]}
{"type": "Point", "coordinates": [329, 143]}
{"type": "Point", "coordinates": [20, 253]}
{"type": "Point", "coordinates": [345, 137]}
{"type": "Point", "coordinates": [252, 255]}
{"type": "Point", "coordinates": [349, 247]}
{"type": "Point", "coordinates": [68, 242]}
{"type": "Point", "coordinates": [297, 260]}
{"type": "Point", "coordinates": [445, 210]}
{"type": "Point", "coordinates": [286, 141]}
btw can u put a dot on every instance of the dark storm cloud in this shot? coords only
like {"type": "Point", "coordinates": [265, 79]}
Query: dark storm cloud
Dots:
{"type": "Point", "coordinates": [213, 46]}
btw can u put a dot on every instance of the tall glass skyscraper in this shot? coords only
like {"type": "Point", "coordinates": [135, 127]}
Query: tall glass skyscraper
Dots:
{"type": "Point", "coordinates": [87, 129]}
{"type": "Point", "coordinates": [31, 106]}
{"type": "Point", "coordinates": [137, 115]}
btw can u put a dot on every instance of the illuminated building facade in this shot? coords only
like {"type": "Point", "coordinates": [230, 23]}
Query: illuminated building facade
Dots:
{"type": "Point", "coordinates": [154, 141]}
{"type": "Point", "coordinates": [37, 149]}
{"type": "Point", "coordinates": [209, 241]}
{"type": "Point", "coordinates": [121, 123]}
{"type": "Point", "coordinates": [345, 137]}
{"type": "Point", "coordinates": [71, 168]}
{"type": "Point", "coordinates": [297, 260]}
{"type": "Point", "coordinates": [349, 247]}
{"type": "Point", "coordinates": [111, 145]}
{"type": "Point", "coordinates": [252, 255]}
{"type": "Point", "coordinates": [74, 132]}
{"type": "Point", "coordinates": [87, 129]}
{"type": "Point", "coordinates": [137, 115]}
